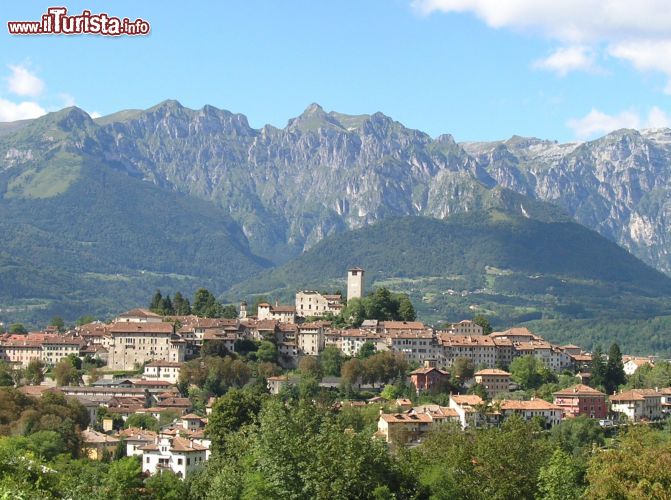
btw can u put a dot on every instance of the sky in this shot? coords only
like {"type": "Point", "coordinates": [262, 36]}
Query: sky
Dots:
{"type": "Point", "coordinates": [477, 69]}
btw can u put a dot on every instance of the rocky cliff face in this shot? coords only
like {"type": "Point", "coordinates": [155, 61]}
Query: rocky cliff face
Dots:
{"type": "Point", "coordinates": [327, 172]}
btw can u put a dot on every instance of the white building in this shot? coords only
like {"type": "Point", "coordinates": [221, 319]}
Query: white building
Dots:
{"type": "Point", "coordinates": [310, 338]}
{"type": "Point", "coordinates": [550, 413]}
{"type": "Point", "coordinates": [638, 404]}
{"type": "Point", "coordinates": [166, 371]}
{"type": "Point", "coordinates": [311, 303]}
{"type": "Point", "coordinates": [282, 313]}
{"type": "Point", "coordinates": [178, 454]}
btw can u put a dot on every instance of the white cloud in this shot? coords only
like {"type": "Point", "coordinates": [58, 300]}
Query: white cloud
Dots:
{"type": "Point", "coordinates": [95, 115]}
{"type": "Point", "coordinates": [638, 32]}
{"type": "Point", "coordinates": [10, 111]}
{"type": "Point", "coordinates": [566, 59]}
{"type": "Point", "coordinates": [23, 82]}
{"type": "Point", "coordinates": [596, 122]}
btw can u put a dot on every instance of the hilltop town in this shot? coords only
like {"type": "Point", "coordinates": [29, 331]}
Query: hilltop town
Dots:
{"type": "Point", "coordinates": [148, 384]}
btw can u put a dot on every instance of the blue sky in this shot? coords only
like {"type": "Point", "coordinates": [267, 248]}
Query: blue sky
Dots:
{"type": "Point", "coordinates": [472, 68]}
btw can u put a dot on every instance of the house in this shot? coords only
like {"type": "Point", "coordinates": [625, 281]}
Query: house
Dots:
{"type": "Point", "coordinates": [481, 349]}
{"type": "Point", "coordinates": [58, 347]}
{"type": "Point", "coordinates": [312, 303]}
{"type": "Point", "coordinates": [638, 404]}
{"type": "Point", "coordinates": [275, 384]}
{"type": "Point", "coordinates": [282, 313]}
{"type": "Point", "coordinates": [417, 344]}
{"type": "Point", "coordinates": [310, 338]}
{"type": "Point", "coordinates": [403, 427]}
{"type": "Point", "coordinates": [135, 439]}
{"type": "Point", "coordinates": [632, 363]}
{"type": "Point", "coordinates": [167, 371]}
{"type": "Point", "coordinates": [425, 378]}
{"type": "Point", "coordinates": [139, 315]}
{"type": "Point", "coordinates": [465, 327]}
{"type": "Point", "coordinates": [135, 343]}
{"type": "Point", "coordinates": [175, 453]}
{"type": "Point", "coordinates": [95, 445]}
{"type": "Point", "coordinates": [549, 413]}
{"type": "Point", "coordinates": [494, 380]}
{"type": "Point", "coordinates": [410, 426]}
{"type": "Point", "coordinates": [581, 400]}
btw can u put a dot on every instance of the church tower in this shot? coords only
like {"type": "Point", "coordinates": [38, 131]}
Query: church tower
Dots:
{"type": "Point", "coordinates": [354, 283]}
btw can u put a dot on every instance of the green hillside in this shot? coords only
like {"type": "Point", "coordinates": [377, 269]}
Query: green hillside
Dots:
{"type": "Point", "coordinates": [510, 268]}
{"type": "Point", "coordinates": [80, 236]}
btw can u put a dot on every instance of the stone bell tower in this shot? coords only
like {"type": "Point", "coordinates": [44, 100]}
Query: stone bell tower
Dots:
{"type": "Point", "coordinates": [354, 283]}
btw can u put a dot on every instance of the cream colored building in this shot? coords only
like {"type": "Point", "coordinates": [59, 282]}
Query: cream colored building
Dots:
{"type": "Point", "coordinates": [638, 404]}
{"type": "Point", "coordinates": [135, 343]}
{"type": "Point", "coordinates": [310, 338]}
{"type": "Point", "coordinates": [465, 327]}
{"type": "Point", "coordinates": [281, 313]}
{"type": "Point", "coordinates": [167, 371]}
{"type": "Point", "coordinates": [494, 380]}
{"type": "Point", "coordinates": [311, 303]}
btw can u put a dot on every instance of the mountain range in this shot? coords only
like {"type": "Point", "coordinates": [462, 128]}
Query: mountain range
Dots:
{"type": "Point", "coordinates": [171, 196]}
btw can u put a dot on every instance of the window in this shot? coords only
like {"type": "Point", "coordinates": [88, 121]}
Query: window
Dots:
{"type": "Point", "coordinates": [179, 461]}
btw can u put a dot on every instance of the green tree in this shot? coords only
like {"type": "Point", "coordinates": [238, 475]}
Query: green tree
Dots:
{"type": "Point", "coordinates": [34, 372]}
{"type": "Point", "coordinates": [463, 369]}
{"type": "Point", "coordinates": [85, 320]}
{"type": "Point", "coordinates": [331, 360]}
{"type": "Point", "coordinates": [351, 372]}
{"type": "Point", "coordinates": [124, 478]}
{"type": "Point", "coordinates": [598, 369]}
{"type": "Point", "coordinates": [484, 323]}
{"type": "Point", "coordinates": [309, 366]}
{"type": "Point", "coordinates": [560, 479]}
{"type": "Point", "coordinates": [637, 468]}
{"type": "Point", "coordinates": [47, 444]}
{"type": "Point", "coordinates": [366, 350]}
{"type": "Point", "coordinates": [530, 372]}
{"type": "Point", "coordinates": [406, 311]}
{"type": "Point", "coordinates": [166, 486]}
{"type": "Point", "coordinates": [615, 376]}
{"type": "Point", "coordinates": [156, 303]}
{"type": "Point", "coordinates": [230, 412]}
{"type": "Point", "coordinates": [181, 305]}
{"type": "Point", "coordinates": [355, 312]}
{"type": "Point", "coordinates": [577, 436]}
{"type": "Point", "coordinates": [17, 328]}
{"type": "Point", "coordinates": [166, 308]}
{"type": "Point", "coordinates": [58, 322]}
{"type": "Point", "coordinates": [142, 421]}
{"type": "Point", "coordinates": [205, 304]}
{"type": "Point", "coordinates": [65, 373]}
{"type": "Point", "coordinates": [229, 311]}
{"type": "Point", "coordinates": [267, 351]}
{"type": "Point", "coordinates": [216, 348]}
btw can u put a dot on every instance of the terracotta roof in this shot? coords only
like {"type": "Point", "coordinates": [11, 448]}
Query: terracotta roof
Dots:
{"type": "Point", "coordinates": [466, 340]}
{"type": "Point", "coordinates": [635, 395]}
{"type": "Point", "coordinates": [406, 418]}
{"type": "Point", "coordinates": [192, 416]}
{"type": "Point", "coordinates": [37, 390]}
{"type": "Point", "coordinates": [402, 325]}
{"type": "Point", "coordinates": [139, 312]}
{"type": "Point", "coordinates": [466, 399]}
{"type": "Point", "coordinates": [127, 327]}
{"type": "Point", "coordinates": [534, 404]}
{"type": "Point", "coordinates": [579, 390]}
{"type": "Point", "coordinates": [137, 434]}
{"type": "Point", "coordinates": [283, 309]}
{"type": "Point", "coordinates": [183, 445]}
{"type": "Point", "coordinates": [493, 371]}
{"type": "Point", "coordinates": [424, 371]}
{"type": "Point", "coordinates": [89, 436]}
{"type": "Point", "coordinates": [581, 357]}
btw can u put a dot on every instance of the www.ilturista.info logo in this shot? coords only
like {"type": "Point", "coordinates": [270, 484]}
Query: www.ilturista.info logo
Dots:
{"type": "Point", "coordinates": [57, 22]}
